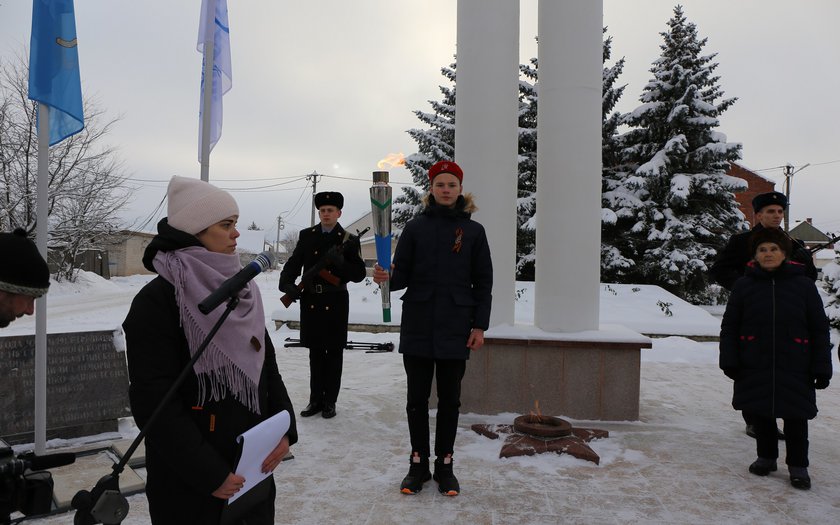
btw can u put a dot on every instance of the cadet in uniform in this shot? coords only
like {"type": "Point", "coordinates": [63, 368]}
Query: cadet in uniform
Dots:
{"type": "Point", "coordinates": [324, 307]}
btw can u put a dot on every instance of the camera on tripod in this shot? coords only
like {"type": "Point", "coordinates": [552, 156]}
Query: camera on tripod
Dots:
{"type": "Point", "coordinates": [25, 486]}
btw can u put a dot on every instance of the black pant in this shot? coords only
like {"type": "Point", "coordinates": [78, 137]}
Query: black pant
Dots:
{"type": "Point", "coordinates": [796, 439]}
{"type": "Point", "coordinates": [448, 374]}
{"type": "Point", "coordinates": [325, 367]}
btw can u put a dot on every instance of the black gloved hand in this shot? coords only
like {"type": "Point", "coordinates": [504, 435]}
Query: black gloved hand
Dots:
{"type": "Point", "coordinates": [731, 373]}
{"type": "Point", "coordinates": [821, 382]}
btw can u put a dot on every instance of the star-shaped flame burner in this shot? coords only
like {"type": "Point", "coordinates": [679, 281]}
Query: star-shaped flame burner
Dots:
{"type": "Point", "coordinates": [532, 434]}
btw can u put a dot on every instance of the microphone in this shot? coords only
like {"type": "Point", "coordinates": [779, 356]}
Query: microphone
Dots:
{"type": "Point", "coordinates": [236, 283]}
{"type": "Point", "coordinates": [33, 462]}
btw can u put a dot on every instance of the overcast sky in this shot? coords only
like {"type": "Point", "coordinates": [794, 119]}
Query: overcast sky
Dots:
{"type": "Point", "coordinates": [330, 86]}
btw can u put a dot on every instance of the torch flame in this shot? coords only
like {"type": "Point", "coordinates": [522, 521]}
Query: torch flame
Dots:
{"type": "Point", "coordinates": [392, 160]}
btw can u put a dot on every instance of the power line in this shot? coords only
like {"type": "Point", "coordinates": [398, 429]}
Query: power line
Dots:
{"type": "Point", "coordinates": [824, 163]}
{"type": "Point", "coordinates": [811, 164]}
{"type": "Point", "coordinates": [365, 180]}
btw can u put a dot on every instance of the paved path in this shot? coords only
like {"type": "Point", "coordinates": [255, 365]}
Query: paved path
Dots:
{"type": "Point", "coordinates": [684, 462]}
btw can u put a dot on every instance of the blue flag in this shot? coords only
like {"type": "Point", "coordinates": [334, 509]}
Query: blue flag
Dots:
{"type": "Point", "coordinates": [54, 67]}
{"type": "Point", "coordinates": [222, 75]}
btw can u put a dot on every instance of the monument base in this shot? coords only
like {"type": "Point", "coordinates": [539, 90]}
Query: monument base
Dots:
{"type": "Point", "coordinates": [86, 390]}
{"type": "Point", "coordinates": [68, 432]}
{"type": "Point", "coordinates": [588, 376]}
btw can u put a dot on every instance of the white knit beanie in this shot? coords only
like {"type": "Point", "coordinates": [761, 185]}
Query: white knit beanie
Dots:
{"type": "Point", "coordinates": [194, 205]}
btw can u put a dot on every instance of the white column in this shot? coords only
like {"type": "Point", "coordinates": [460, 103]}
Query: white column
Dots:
{"type": "Point", "coordinates": [486, 131]}
{"type": "Point", "coordinates": [568, 165]}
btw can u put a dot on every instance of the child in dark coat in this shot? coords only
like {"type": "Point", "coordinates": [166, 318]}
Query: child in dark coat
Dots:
{"type": "Point", "coordinates": [443, 261]}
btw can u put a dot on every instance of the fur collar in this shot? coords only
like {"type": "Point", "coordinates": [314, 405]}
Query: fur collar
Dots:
{"type": "Point", "coordinates": [468, 200]}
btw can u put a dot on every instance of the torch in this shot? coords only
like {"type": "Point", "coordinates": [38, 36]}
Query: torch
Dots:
{"type": "Point", "coordinates": [380, 204]}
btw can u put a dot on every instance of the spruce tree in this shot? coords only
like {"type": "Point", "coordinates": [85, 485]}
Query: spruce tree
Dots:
{"type": "Point", "coordinates": [831, 285]}
{"type": "Point", "coordinates": [526, 199]}
{"type": "Point", "coordinates": [614, 260]}
{"type": "Point", "coordinates": [675, 202]}
{"type": "Point", "coordinates": [438, 143]}
{"type": "Point", "coordinates": [433, 144]}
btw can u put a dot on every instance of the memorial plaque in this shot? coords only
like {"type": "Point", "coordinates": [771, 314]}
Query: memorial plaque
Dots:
{"type": "Point", "coordinates": [87, 385]}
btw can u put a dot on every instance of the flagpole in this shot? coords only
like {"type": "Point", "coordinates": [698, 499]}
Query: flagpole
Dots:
{"type": "Point", "coordinates": [207, 94]}
{"type": "Point", "coordinates": [41, 229]}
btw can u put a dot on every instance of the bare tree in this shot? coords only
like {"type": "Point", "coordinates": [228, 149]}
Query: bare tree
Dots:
{"type": "Point", "coordinates": [86, 181]}
{"type": "Point", "coordinates": [289, 241]}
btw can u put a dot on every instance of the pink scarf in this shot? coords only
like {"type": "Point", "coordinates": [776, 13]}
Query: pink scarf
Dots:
{"type": "Point", "coordinates": [234, 358]}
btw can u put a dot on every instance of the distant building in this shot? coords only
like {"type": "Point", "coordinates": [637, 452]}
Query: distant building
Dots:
{"type": "Point", "coordinates": [756, 184]}
{"type": "Point", "coordinates": [251, 243]}
{"type": "Point", "coordinates": [368, 244]}
{"type": "Point", "coordinates": [812, 237]}
{"type": "Point", "coordinates": [125, 253]}
{"type": "Point", "coordinates": [806, 232]}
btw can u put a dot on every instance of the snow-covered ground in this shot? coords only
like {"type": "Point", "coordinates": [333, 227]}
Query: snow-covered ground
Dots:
{"type": "Point", "coordinates": [684, 461]}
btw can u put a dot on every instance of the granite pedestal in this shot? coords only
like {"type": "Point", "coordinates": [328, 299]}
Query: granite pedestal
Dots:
{"type": "Point", "coordinates": [587, 376]}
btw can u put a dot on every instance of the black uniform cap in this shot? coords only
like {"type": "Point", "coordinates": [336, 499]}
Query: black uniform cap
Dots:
{"type": "Point", "coordinates": [766, 199]}
{"type": "Point", "coordinates": [331, 198]}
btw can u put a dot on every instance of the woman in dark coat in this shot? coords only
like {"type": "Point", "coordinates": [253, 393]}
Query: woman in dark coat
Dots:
{"type": "Point", "coordinates": [443, 260]}
{"type": "Point", "coordinates": [774, 343]}
{"type": "Point", "coordinates": [235, 384]}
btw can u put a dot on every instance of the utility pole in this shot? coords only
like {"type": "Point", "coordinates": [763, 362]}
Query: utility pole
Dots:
{"type": "Point", "coordinates": [788, 176]}
{"type": "Point", "coordinates": [314, 178]}
{"type": "Point", "coordinates": [789, 173]}
{"type": "Point", "coordinates": [280, 226]}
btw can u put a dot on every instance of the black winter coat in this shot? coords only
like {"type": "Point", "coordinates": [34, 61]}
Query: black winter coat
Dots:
{"type": "Point", "coordinates": [733, 260]}
{"type": "Point", "coordinates": [324, 308]}
{"type": "Point", "coordinates": [774, 340]}
{"type": "Point", "coordinates": [189, 450]}
{"type": "Point", "coordinates": [443, 261]}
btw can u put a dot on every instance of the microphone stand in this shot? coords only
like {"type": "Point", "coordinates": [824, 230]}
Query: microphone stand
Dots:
{"type": "Point", "coordinates": [104, 503]}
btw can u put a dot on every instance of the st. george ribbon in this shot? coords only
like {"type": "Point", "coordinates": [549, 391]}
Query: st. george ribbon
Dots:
{"type": "Point", "coordinates": [380, 205]}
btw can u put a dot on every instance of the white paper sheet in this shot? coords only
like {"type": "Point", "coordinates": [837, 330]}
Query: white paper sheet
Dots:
{"type": "Point", "coordinates": [257, 443]}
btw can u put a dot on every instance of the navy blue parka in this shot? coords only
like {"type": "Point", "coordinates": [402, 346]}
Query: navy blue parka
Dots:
{"type": "Point", "coordinates": [443, 261]}
{"type": "Point", "coordinates": [774, 341]}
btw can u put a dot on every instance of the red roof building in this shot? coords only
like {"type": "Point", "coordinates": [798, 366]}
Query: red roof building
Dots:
{"type": "Point", "coordinates": [756, 184]}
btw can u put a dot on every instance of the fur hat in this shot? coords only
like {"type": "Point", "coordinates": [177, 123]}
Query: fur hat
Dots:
{"type": "Point", "coordinates": [194, 205]}
{"type": "Point", "coordinates": [774, 235]}
{"type": "Point", "coordinates": [22, 269]}
{"type": "Point", "coordinates": [766, 199]}
{"type": "Point", "coordinates": [329, 198]}
{"type": "Point", "coordinates": [446, 166]}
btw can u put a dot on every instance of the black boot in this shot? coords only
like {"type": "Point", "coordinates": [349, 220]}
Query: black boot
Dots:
{"type": "Point", "coordinates": [763, 466]}
{"type": "Point", "coordinates": [447, 482]}
{"type": "Point", "coordinates": [799, 478]}
{"type": "Point", "coordinates": [418, 473]}
{"type": "Point", "coordinates": [312, 408]}
{"type": "Point", "coordinates": [329, 410]}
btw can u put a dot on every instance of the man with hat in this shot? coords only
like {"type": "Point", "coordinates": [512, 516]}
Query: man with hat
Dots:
{"type": "Point", "coordinates": [24, 276]}
{"type": "Point", "coordinates": [324, 307]}
{"type": "Point", "coordinates": [769, 211]}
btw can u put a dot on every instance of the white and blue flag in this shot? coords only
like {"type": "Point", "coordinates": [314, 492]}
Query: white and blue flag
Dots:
{"type": "Point", "coordinates": [54, 67]}
{"type": "Point", "coordinates": [222, 77]}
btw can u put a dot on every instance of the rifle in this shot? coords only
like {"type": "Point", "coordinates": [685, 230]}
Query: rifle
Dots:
{"type": "Point", "coordinates": [372, 348]}
{"type": "Point", "coordinates": [815, 249]}
{"type": "Point", "coordinates": [320, 269]}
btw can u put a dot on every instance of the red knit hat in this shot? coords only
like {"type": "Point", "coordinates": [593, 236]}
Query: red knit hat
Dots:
{"type": "Point", "coordinates": [446, 166]}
